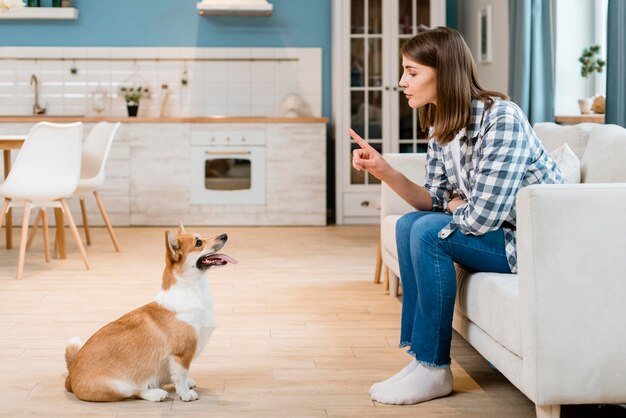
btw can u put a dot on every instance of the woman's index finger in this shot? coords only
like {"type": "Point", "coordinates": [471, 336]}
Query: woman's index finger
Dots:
{"type": "Point", "coordinates": [359, 140]}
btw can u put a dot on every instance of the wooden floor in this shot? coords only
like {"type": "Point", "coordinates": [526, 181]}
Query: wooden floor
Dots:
{"type": "Point", "coordinates": [303, 331]}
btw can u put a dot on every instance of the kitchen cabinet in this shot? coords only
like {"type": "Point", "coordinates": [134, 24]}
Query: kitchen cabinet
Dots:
{"type": "Point", "coordinates": [367, 36]}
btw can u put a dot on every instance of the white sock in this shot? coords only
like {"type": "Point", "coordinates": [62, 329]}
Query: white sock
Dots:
{"type": "Point", "coordinates": [422, 384]}
{"type": "Point", "coordinates": [406, 370]}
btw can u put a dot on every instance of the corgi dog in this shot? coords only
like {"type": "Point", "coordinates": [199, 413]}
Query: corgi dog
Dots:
{"type": "Point", "coordinates": [153, 345]}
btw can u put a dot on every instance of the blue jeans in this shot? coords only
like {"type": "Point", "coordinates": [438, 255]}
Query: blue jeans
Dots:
{"type": "Point", "coordinates": [429, 279]}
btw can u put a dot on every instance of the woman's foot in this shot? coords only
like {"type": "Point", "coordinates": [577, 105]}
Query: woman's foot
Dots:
{"type": "Point", "coordinates": [422, 384]}
{"type": "Point", "coordinates": [405, 371]}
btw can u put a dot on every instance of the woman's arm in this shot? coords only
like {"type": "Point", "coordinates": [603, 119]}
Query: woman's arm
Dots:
{"type": "Point", "coordinates": [367, 158]}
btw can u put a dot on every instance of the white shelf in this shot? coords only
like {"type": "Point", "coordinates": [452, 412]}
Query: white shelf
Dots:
{"type": "Point", "coordinates": [57, 13]}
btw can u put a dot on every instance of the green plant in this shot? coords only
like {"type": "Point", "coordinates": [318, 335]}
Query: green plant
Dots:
{"type": "Point", "coordinates": [133, 95]}
{"type": "Point", "coordinates": [590, 61]}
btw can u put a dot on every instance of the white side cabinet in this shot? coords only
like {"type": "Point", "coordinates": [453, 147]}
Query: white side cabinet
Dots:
{"type": "Point", "coordinates": [367, 36]}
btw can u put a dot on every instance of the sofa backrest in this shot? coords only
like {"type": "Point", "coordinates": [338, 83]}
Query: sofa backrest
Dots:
{"type": "Point", "coordinates": [604, 159]}
{"type": "Point", "coordinates": [553, 136]}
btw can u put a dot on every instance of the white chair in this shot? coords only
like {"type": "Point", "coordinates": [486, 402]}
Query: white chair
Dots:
{"type": "Point", "coordinates": [95, 152]}
{"type": "Point", "coordinates": [46, 171]}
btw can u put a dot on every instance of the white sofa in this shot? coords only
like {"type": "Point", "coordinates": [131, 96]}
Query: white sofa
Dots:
{"type": "Point", "coordinates": [556, 330]}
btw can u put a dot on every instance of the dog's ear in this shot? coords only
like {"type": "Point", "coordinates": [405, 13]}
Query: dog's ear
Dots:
{"type": "Point", "coordinates": [171, 245]}
{"type": "Point", "coordinates": [181, 228]}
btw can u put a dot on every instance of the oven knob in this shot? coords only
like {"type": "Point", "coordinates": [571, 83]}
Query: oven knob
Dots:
{"type": "Point", "coordinates": [243, 139]}
{"type": "Point", "coordinates": [212, 139]}
{"type": "Point", "coordinates": [227, 139]}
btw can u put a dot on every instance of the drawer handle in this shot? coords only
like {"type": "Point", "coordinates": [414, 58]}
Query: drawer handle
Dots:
{"type": "Point", "coordinates": [365, 204]}
{"type": "Point", "coordinates": [227, 152]}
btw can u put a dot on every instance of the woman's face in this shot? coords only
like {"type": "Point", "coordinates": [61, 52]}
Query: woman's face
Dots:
{"type": "Point", "coordinates": [419, 83]}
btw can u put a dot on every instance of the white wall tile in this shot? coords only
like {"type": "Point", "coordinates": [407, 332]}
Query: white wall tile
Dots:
{"type": "Point", "coordinates": [214, 87]}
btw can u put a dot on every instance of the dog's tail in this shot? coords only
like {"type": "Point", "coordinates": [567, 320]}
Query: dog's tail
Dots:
{"type": "Point", "coordinates": [71, 349]}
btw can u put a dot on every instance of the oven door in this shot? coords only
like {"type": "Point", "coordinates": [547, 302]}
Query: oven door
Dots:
{"type": "Point", "coordinates": [228, 175]}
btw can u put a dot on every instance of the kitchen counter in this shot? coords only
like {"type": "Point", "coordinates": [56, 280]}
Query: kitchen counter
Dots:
{"type": "Point", "coordinates": [194, 119]}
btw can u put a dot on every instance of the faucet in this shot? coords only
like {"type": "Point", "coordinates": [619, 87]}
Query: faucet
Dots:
{"type": "Point", "coordinates": [37, 110]}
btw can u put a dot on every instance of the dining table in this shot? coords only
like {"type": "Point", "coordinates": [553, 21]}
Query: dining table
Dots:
{"type": "Point", "coordinates": [9, 143]}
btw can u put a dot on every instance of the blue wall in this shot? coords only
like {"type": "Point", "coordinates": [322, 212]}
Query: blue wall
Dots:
{"type": "Point", "coordinates": [294, 23]}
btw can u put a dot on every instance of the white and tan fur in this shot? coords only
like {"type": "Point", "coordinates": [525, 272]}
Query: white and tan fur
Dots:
{"type": "Point", "coordinates": [136, 354]}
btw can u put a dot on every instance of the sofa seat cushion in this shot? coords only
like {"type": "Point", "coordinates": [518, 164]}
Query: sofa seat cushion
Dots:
{"type": "Point", "coordinates": [490, 300]}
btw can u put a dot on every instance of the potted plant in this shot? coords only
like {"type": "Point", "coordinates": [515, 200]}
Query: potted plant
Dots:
{"type": "Point", "coordinates": [132, 96]}
{"type": "Point", "coordinates": [590, 63]}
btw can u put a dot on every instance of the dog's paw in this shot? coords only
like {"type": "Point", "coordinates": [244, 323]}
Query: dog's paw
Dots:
{"type": "Point", "coordinates": [192, 395]}
{"type": "Point", "coordinates": [154, 395]}
{"type": "Point", "coordinates": [191, 383]}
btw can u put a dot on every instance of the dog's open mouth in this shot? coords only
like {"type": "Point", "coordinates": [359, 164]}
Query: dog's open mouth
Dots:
{"type": "Point", "coordinates": [214, 260]}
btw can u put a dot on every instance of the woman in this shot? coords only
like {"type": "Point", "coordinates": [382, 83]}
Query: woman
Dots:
{"type": "Point", "coordinates": [481, 151]}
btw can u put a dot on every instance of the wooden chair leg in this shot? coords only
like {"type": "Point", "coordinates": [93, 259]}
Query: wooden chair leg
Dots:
{"type": "Point", "coordinates": [83, 209]}
{"type": "Point", "coordinates": [5, 206]}
{"type": "Point", "coordinates": [7, 213]}
{"type": "Point", "coordinates": [46, 236]}
{"type": "Point", "coordinates": [386, 279]}
{"type": "Point", "coordinates": [106, 221]}
{"type": "Point", "coordinates": [379, 262]}
{"type": "Point", "coordinates": [33, 232]}
{"type": "Point", "coordinates": [60, 234]}
{"type": "Point", "coordinates": [24, 238]}
{"type": "Point", "coordinates": [79, 242]}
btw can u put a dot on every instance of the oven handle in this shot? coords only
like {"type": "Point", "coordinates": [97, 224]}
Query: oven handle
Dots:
{"type": "Point", "coordinates": [227, 152]}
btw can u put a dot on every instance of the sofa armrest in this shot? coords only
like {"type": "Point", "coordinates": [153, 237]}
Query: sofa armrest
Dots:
{"type": "Point", "coordinates": [413, 166]}
{"type": "Point", "coordinates": [571, 246]}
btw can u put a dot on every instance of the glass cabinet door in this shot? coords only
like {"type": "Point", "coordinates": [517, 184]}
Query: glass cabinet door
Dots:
{"type": "Point", "coordinates": [366, 79]}
{"type": "Point", "coordinates": [412, 15]}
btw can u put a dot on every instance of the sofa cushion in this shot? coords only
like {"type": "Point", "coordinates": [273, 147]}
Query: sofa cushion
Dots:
{"type": "Point", "coordinates": [553, 136]}
{"type": "Point", "coordinates": [568, 163]}
{"type": "Point", "coordinates": [490, 300]}
{"type": "Point", "coordinates": [604, 160]}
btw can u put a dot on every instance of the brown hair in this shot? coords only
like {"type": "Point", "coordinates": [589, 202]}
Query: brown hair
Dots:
{"type": "Point", "coordinates": [444, 50]}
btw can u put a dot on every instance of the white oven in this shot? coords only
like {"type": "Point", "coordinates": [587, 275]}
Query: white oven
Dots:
{"type": "Point", "coordinates": [227, 168]}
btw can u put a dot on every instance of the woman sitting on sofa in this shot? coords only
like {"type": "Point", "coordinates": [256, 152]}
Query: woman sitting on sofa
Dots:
{"type": "Point", "coordinates": [482, 151]}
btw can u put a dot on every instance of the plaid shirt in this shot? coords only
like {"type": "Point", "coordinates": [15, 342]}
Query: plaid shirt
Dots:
{"type": "Point", "coordinates": [500, 154]}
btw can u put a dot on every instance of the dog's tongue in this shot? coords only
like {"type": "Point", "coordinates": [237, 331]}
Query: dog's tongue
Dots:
{"type": "Point", "coordinates": [223, 257]}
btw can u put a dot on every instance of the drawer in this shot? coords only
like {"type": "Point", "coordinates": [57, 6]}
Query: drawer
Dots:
{"type": "Point", "coordinates": [361, 204]}
{"type": "Point", "coordinates": [228, 138]}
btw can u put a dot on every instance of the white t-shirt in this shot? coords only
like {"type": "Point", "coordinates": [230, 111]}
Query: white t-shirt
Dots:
{"type": "Point", "coordinates": [455, 151]}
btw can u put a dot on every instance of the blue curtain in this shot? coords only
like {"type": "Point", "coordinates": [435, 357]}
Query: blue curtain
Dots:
{"type": "Point", "coordinates": [531, 62]}
{"type": "Point", "coordinates": [616, 63]}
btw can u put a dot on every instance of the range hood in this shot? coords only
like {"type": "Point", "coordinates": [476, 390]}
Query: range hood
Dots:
{"type": "Point", "coordinates": [234, 8]}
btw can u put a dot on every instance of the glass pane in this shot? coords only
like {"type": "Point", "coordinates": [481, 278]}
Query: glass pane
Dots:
{"type": "Point", "coordinates": [375, 115]}
{"type": "Point", "coordinates": [356, 177]}
{"type": "Point", "coordinates": [400, 68]}
{"type": "Point", "coordinates": [357, 62]}
{"type": "Point", "coordinates": [357, 112]}
{"type": "Point", "coordinates": [227, 174]}
{"type": "Point", "coordinates": [406, 148]}
{"type": "Point", "coordinates": [405, 118]}
{"type": "Point", "coordinates": [371, 179]}
{"type": "Point", "coordinates": [375, 16]}
{"type": "Point", "coordinates": [375, 60]}
{"type": "Point", "coordinates": [405, 15]}
{"type": "Point", "coordinates": [357, 20]}
{"type": "Point", "coordinates": [423, 12]}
